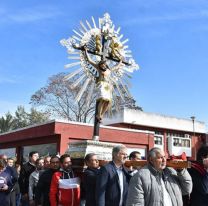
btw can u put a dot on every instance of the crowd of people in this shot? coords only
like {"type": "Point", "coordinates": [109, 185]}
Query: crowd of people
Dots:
{"type": "Point", "coordinates": [51, 181]}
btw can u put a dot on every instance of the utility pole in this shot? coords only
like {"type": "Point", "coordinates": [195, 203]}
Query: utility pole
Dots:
{"type": "Point", "coordinates": [193, 121]}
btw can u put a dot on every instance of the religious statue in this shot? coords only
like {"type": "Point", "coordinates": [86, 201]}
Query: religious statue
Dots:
{"type": "Point", "coordinates": [103, 84]}
{"type": "Point", "coordinates": [106, 63]}
{"type": "Point", "coordinates": [98, 44]}
{"type": "Point", "coordinates": [115, 47]}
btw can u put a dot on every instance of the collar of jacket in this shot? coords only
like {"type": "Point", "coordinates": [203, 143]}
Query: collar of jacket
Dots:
{"type": "Point", "coordinates": [122, 168]}
{"type": "Point", "coordinates": [154, 171]}
{"type": "Point", "coordinates": [67, 172]}
{"type": "Point", "coordinates": [116, 167]}
{"type": "Point", "coordinates": [164, 174]}
{"type": "Point", "coordinates": [95, 170]}
{"type": "Point", "coordinates": [31, 164]}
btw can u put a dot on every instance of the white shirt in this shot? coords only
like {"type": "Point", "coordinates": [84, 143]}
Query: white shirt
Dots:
{"type": "Point", "coordinates": [120, 176]}
{"type": "Point", "coordinates": [166, 196]}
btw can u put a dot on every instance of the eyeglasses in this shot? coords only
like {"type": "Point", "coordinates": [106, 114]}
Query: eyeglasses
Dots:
{"type": "Point", "coordinates": [122, 153]}
{"type": "Point", "coordinates": [57, 162]}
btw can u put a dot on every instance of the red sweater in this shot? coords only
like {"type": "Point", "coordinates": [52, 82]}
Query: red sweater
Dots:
{"type": "Point", "coordinates": [64, 190]}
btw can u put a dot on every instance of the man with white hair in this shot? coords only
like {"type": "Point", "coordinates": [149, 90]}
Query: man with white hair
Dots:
{"type": "Point", "coordinates": [112, 180]}
{"type": "Point", "coordinates": [156, 185]}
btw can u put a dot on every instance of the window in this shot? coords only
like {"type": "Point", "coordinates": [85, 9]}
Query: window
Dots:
{"type": "Point", "coordinates": [185, 143]}
{"type": "Point", "coordinates": [158, 140]}
{"type": "Point", "coordinates": [176, 142]}
{"type": "Point", "coordinates": [42, 149]}
{"type": "Point", "coordinates": [181, 142]}
{"type": "Point", "coordinates": [10, 152]}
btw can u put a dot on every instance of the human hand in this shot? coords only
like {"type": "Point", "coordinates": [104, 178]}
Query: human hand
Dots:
{"type": "Point", "coordinates": [205, 163]}
{"type": "Point", "coordinates": [32, 203]}
{"type": "Point", "coordinates": [85, 47]}
{"type": "Point", "coordinates": [130, 169]}
{"type": "Point", "coordinates": [5, 187]}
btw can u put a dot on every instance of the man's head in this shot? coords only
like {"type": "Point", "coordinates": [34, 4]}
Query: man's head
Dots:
{"type": "Point", "coordinates": [103, 65]}
{"type": "Point", "coordinates": [54, 163]}
{"type": "Point", "coordinates": [202, 156]}
{"type": "Point", "coordinates": [4, 157]}
{"type": "Point", "coordinates": [33, 156]}
{"type": "Point", "coordinates": [10, 162]}
{"type": "Point", "coordinates": [66, 163]}
{"type": "Point", "coordinates": [39, 163]}
{"type": "Point", "coordinates": [119, 154]}
{"type": "Point", "coordinates": [157, 159]}
{"type": "Point", "coordinates": [47, 162]}
{"type": "Point", "coordinates": [91, 160]}
{"type": "Point", "coordinates": [2, 164]}
{"type": "Point", "coordinates": [135, 155]}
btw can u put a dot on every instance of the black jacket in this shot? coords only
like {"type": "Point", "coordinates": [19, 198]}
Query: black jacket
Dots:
{"type": "Point", "coordinates": [199, 195]}
{"type": "Point", "coordinates": [89, 185]}
{"type": "Point", "coordinates": [108, 191]}
{"type": "Point", "coordinates": [25, 172]}
{"type": "Point", "coordinates": [43, 188]}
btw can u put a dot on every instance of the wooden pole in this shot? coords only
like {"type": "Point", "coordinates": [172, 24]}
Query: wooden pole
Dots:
{"type": "Point", "coordinates": [176, 164]}
{"type": "Point", "coordinates": [96, 124]}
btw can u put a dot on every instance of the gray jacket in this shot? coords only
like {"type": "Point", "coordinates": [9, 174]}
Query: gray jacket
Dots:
{"type": "Point", "coordinates": [145, 187]}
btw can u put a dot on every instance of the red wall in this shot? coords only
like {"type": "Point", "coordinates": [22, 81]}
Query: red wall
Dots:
{"type": "Point", "coordinates": [73, 131]}
{"type": "Point", "coordinates": [28, 133]}
{"type": "Point", "coordinates": [62, 133]}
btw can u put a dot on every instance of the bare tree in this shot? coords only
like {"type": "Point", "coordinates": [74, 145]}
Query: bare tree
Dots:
{"type": "Point", "coordinates": [58, 98]}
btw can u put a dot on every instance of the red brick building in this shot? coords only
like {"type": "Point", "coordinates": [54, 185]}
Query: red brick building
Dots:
{"type": "Point", "coordinates": [137, 130]}
{"type": "Point", "coordinates": [54, 137]}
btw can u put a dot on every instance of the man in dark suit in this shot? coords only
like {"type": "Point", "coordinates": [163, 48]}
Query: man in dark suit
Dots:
{"type": "Point", "coordinates": [89, 178]}
{"type": "Point", "coordinates": [113, 179]}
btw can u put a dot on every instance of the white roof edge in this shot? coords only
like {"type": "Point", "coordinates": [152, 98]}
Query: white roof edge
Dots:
{"type": "Point", "coordinates": [154, 120]}
{"type": "Point", "coordinates": [163, 115]}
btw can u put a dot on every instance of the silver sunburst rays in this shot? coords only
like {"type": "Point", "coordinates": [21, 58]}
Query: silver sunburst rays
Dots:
{"type": "Point", "coordinates": [91, 35]}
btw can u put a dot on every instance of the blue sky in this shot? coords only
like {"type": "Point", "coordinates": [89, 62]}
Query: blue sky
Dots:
{"type": "Point", "coordinates": [168, 40]}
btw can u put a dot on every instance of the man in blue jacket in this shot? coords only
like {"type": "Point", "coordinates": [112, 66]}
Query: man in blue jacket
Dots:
{"type": "Point", "coordinates": [113, 179]}
{"type": "Point", "coordinates": [5, 184]}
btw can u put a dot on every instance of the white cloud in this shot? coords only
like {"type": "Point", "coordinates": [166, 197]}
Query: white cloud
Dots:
{"type": "Point", "coordinates": [28, 15]}
{"type": "Point", "coordinates": [7, 80]}
{"type": "Point", "coordinates": [31, 16]}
